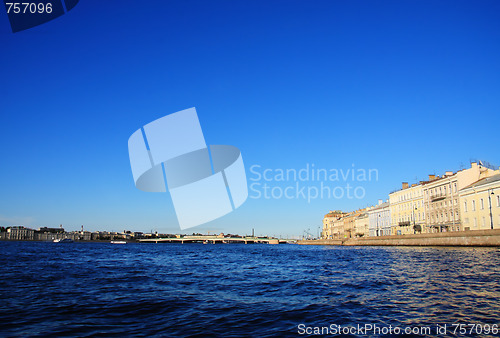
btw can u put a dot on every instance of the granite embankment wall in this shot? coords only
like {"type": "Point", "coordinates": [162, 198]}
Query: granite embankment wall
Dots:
{"type": "Point", "coordinates": [459, 238]}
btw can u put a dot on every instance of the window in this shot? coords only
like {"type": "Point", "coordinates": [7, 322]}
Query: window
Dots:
{"type": "Point", "coordinates": [484, 222]}
{"type": "Point", "coordinates": [482, 203]}
{"type": "Point", "coordinates": [455, 187]}
{"type": "Point", "coordinates": [465, 205]}
{"type": "Point", "coordinates": [445, 190]}
{"type": "Point", "coordinates": [473, 205]}
{"type": "Point", "coordinates": [498, 200]}
{"type": "Point", "coordinates": [475, 222]}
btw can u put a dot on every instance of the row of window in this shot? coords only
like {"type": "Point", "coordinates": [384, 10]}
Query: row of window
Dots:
{"type": "Point", "coordinates": [481, 204]}
{"type": "Point", "coordinates": [442, 190]}
{"type": "Point", "coordinates": [409, 218]}
{"type": "Point", "coordinates": [445, 217]}
{"type": "Point", "coordinates": [409, 206]}
{"type": "Point", "coordinates": [410, 195]}
{"type": "Point", "coordinates": [485, 221]}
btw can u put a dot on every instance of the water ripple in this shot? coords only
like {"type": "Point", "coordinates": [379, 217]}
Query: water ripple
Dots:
{"type": "Point", "coordinates": [97, 289]}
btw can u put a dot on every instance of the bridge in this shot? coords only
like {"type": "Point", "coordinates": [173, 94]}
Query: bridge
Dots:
{"type": "Point", "coordinates": [207, 239]}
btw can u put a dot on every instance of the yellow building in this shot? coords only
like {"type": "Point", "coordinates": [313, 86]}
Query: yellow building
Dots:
{"type": "Point", "coordinates": [338, 224]}
{"type": "Point", "coordinates": [480, 204]}
{"type": "Point", "coordinates": [441, 197]}
{"type": "Point", "coordinates": [407, 209]}
{"type": "Point", "coordinates": [328, 221]}
{"type": "Point", "coordinates": [350, 223]}
{"type": "Point", "coordinates": [361, 225]}
{"type": "Point", "coordinates": [338, 228]}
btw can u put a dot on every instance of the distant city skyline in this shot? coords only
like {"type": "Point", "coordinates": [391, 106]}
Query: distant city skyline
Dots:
{"type": "Point", "coordinates": [404, 88]}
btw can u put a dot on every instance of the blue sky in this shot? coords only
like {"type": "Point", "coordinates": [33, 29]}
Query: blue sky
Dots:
{"type": "Point", "coordinates": [406, 87]}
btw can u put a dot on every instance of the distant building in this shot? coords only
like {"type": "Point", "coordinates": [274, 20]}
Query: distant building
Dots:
{"type": "Point", "coordinates": [361, 225]}
{"type": "Point", "coordinates": [338, 228]}
{"type": "Point", "coordinates": [480, 204]}
{"type": "Point", "coordinates": [379, 220]}
{"type": "Point", "coordinates": [407, 209]}
{"type": "Point", "coordinates": [328, 222]}
{"type": "Point", "coordinates": [349, 230]}
{"type": "Point", "coordinates": [20, 233]}
{"type": "Point", "coordinates": [441, 197]}
{"type": "Point", "coordinates": [85, 235]}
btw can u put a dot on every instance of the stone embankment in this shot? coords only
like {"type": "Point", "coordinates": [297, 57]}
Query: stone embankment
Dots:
{"type": "Point", "coordinates": [459, 238]}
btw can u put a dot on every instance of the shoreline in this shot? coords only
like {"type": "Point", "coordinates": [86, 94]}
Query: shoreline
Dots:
{"type": "Point", "coordinates": [471, 238]}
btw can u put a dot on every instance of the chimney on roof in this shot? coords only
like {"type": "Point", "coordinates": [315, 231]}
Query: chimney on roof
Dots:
{"type": "Point", "coordinates": [448, 173]}
{"type": "Point", "coordinates": [405, 185]}
{"type": "Point", "coordinates": [414, 185]}
{"type": "Point", "coordinates": [380, 202]}
{"type": "Point", "coordinates": [432, 177]}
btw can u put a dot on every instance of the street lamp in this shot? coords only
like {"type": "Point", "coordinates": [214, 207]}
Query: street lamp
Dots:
{"type": "Point", "coordinates": [378, 229]}
{"type": "Point", "coordinates": [489, 199]}
{"type": "Point", "coordinates": [414, 224]}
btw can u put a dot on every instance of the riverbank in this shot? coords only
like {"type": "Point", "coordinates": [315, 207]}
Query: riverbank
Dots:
{"type": "Point", "coordinates": [490, 238]}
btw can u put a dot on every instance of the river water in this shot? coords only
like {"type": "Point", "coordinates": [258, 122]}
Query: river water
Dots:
{"type": "Point", "coordinates": [254, 290]}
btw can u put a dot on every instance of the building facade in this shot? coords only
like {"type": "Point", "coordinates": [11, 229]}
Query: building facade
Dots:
{"type": "Point", "coordinates": [328, 221]}
{"type": "Point", "coordinates": [379, 220]}
{"type": "Point", "coordinates": [20, 233]}
{"type": "Point", "coordinates": [338, 228]}
{"type": "Point", "coordinates": [361, 225]}
{"type": "Point", "coordinates": [480, 204]}
{"type": "Point", "coordinates": [407, 209]}
{"type": "Point", "coordinates": [441, 197]}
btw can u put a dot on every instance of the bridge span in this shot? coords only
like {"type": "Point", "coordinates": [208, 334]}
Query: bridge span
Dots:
{"type": "Point", "coordinates": [217, 239]}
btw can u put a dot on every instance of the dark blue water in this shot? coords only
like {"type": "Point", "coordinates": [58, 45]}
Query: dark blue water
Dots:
{"type": "Point", "coordinates": [236, 290]}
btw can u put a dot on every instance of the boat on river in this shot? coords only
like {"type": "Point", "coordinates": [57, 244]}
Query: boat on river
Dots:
{"type": "Point", "coordinates": [63, 240]}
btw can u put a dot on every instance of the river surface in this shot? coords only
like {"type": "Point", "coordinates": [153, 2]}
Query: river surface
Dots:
{"type": "Point", "coordinates": [238, 290]}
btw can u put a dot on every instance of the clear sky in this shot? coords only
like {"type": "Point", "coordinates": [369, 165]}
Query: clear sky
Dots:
{"type": "Point", "coordinates": [408, 88]}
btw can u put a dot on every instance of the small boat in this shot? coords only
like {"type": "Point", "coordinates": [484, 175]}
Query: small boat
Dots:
{"type": "Point", "coordinates": [64, 240]}
{"type": "Point", "coordinates": [118, 242]}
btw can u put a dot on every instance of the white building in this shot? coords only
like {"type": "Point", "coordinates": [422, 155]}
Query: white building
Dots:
{"type": "Point", "coordinates": [379, 220]}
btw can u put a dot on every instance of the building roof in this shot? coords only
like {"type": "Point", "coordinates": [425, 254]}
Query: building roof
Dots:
{"type": "Point", "coordinates": [380, 206]}
{"type": "Point", "coordinates": [483, 181]}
